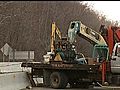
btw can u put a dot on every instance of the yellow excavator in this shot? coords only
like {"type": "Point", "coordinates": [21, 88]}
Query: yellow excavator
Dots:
{"type": "Point", "coordinates": [63, 47]}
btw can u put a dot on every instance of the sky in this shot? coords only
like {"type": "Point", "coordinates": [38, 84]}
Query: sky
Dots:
{"type": "Point", "coordinates": [108, 8]}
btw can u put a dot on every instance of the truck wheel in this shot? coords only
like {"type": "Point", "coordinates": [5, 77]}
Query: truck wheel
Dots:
{"type": "Point", "coordinates": [58, 80]}
{"type": "Point", "coordinates": [46, 78]}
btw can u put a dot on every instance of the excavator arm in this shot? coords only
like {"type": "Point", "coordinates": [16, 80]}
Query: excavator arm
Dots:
{"type": "Point", "coordinates": [76, 27]}
{"type": "Point", "coordinates": [55, 30]}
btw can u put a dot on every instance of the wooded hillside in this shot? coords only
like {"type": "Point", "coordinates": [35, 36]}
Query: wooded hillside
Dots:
{"type": "Point", "coordinates": [26, 25]}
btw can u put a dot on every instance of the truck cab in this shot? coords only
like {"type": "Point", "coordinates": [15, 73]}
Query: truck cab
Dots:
{"type": "Point", "coordinates": [115, 61]}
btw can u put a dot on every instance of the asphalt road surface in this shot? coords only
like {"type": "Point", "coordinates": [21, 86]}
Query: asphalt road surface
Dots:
{"type": "Point", "coordinates": [43, 88]}
{"type": "Point", "coordinates": [95, 88]}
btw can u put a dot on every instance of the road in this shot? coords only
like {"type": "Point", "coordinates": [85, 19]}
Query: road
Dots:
{"type": "Point", "coordinates": [95, 88]}
{"type": "Point", "coordinates": [42, 88]}
{"type": "Point", "coordinates": [68, 88]}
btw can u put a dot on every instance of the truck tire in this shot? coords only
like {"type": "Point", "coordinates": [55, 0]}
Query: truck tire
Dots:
{"type": "Point", "coordinates": [58, 80]}
{"type": "Point", "coordinates": [46, 78]}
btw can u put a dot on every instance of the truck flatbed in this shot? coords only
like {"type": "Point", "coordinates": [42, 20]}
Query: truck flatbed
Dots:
{"type": "Point", "coordinates": [40, 65]}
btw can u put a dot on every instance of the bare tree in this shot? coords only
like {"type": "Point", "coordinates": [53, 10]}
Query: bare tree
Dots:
{"type": "Point", "coordinates": [26, 25]}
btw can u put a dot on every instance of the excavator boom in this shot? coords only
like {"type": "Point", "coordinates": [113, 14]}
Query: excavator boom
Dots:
{"type": "Point", "coordinates": [76, 27]}
{"type": "Point", "coordinates": [55, 31]}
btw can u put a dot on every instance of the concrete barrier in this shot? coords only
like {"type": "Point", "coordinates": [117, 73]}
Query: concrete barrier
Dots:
{"type": "Point", "coordinates": [14, 81]}
{"type": "Point", "coordinates": [10, 66]}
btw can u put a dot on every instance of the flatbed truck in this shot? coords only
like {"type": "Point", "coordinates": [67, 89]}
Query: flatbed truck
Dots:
{"type": "Point", "coordinates": [74, 74]}
{"type": "Point", "coordinates": [63, 66]}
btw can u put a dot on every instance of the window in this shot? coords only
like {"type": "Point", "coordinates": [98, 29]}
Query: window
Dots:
{"type": "Point", "coordinates": [118, 49]}
{"type": "Point", "coordinates": [72, 25]}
